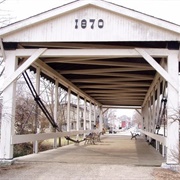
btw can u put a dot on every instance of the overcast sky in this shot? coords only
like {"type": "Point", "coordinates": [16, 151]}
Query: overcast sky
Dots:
{"type": "Point", "coordinates": [164, 9]}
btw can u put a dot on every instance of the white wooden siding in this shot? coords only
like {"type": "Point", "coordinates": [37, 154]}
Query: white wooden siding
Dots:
{"type": "Point", "coordinates": [116, 28]}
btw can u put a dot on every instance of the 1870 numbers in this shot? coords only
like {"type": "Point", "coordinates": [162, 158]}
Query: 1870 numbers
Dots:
{"type": "Point", "coordinates": [92, 23]}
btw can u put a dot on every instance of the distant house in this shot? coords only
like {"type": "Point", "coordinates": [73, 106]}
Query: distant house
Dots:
{"type": "Point", "coordinates": [73, 117]}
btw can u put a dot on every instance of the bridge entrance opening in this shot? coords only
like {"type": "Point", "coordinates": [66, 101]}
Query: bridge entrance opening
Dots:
{"type": "Point", "coordinates": [93, 68]}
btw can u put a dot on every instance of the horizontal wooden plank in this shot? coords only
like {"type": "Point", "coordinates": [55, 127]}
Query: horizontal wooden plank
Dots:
{"type": "Point", "coordinates": [122, 107]}
{"type": "Point", "coordinates": [17, 139]}
{"type": "Point", "coordinates": [111, 53]}
{"type": "Point", "coordinates": [157, 137]}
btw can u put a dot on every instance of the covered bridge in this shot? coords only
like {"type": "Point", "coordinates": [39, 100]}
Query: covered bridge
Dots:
{"type": "Point", "coordinates": [105, 54]}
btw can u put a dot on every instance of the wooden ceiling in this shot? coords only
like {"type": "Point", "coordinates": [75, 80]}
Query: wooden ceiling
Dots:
{"type": "Point", "coordinates": [112, 81]}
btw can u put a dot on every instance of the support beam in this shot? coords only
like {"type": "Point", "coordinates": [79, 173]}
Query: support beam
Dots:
{"type": "Point", "coordinates": [122, 107]}
{"type": "Point", "coordinates": [154, 112]}
{"type": "Point", "coordinates": [2, 49]}
{"type": "Point", "coordinates": [90, 115]}
{"type": "Point", "coordinates": [95, 114]}
{"type": "Point", "coordinates": [23, 67]}
{"type": "Point", "coordinates": [68, 109]}
{"type": "Point", "coordinates": [78, 116]}
{"type": "Point", "coordinates": [8, 111]}
{"type": "Point", "coordinates": [145, 115]}
{"type": "Point", "coordinates": [172, 110]}
{"type": "Point", "coordinates": [85, 112]}
{"type": "Point", "coordinates": [104, 70]}
{"type": "Point", "coordinates": [97, 53]}
{"type": "Point", "coordinates": [137, 110]}
{"type": "Point", "coordinates": [101, 119]}
{"type": "Point", "coordinates": [105, 110]}
{"type": "Point", "coordinates": [158, 101]}
{"type": "Point", "coordinates": [37, 125]}
{"type": "Point", "coordinates": [56, 108]}
{"type": "Point", "coordinates": [157, 67]}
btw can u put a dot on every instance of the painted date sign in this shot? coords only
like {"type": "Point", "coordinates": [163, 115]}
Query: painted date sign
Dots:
{"type": "Point", "coordinates": [92, 23]}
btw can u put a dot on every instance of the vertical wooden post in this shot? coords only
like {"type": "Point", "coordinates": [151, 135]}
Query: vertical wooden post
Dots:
{"type": "Point", "coordinates": [172, 110]}
{"type": "Point", "coordinates": [56, 108]}
{"type": "Point", "coordinates": [154, 111]}
{"type": "Point", "coordinates": [95, 115]}
{"type": "Point", "coordinates": [100, 119]}
{"type": "Point", "coordinates": [77, 118]}
{"type": "Point", "coordinates": [84, 114]}
{"type": "Point", "coordinates": [150, 112]}
{"type": "Point", "coordinates": [157, 109]}
{"type": "Point", "coordinates": [90, 116]}
{"type": "Point", "coordinates": [163, 121]}
{"type": "Point", "coordinates": [37, 128]}
{"type": "Point", "coordinates": [158, 100]}
{"type": "Point", "coordinates": [8, 111]}
{"type": "Point", "coordinates": [149, 117]}
{"type": "Point", "coordinates": [145, 117]}
{"type": "Point", "coordinates": [68, 109]}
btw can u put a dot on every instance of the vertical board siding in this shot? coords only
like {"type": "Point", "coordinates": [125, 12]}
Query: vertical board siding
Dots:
{"type": "Point", "coordinates": [116, 28]}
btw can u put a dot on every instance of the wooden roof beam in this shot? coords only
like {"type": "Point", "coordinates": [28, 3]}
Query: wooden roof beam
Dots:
{"type": "Point", "coordinates": [82, 53]}
{"type": "Point", "coordinates": [108, 80]}
{"type": "Point", "coordinates": [103, 70]}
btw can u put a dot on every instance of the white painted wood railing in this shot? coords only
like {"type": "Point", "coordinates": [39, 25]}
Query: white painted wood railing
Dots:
{"type": "Point", "coordinates": [157, 137]}
{"type": "Point", "coordinates": [17, 139]}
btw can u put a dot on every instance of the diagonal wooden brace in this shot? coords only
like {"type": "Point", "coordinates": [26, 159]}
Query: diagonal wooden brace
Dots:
{"type": "Point", "coordinates": [23, 67]}
{"type": "Point", "coordinates": [2, 49]}
{"type": "Point", "coordinates": [157, 67]}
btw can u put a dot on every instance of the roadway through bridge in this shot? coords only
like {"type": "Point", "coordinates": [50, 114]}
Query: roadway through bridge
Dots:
{"type": "Point", "coordinates": [116, 156]}
{"type": "Point", "coordinates": [79, 68]}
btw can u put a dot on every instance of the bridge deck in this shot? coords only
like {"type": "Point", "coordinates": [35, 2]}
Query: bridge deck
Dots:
{"type": "Point", "coordinates": [116, 157]}
{"type": "Point", "coordinates": [113, 149]}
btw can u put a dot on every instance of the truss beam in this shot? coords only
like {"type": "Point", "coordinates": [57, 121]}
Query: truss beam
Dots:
{"type": "Point", "coordinates": [157, 67]}
{"type": "Point", "coordinates": [23, 67]}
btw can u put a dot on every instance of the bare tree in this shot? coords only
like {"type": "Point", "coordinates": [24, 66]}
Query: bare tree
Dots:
{"type": "Point", "coordinates": [137, 118]}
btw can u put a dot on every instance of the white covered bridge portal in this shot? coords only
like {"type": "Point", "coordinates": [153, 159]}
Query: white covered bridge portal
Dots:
{"type": "Point", "coordinates": [105, 54]}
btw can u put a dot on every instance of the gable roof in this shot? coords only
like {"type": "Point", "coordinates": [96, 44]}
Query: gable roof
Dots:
{"type": "Point", "coordinates": [75, 5]}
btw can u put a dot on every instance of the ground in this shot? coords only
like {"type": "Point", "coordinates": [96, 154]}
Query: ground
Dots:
{"type": "Point", "coordinates": [26, 170]}
{"type": "Point", "coordinates": [116, 157]}
{"type": "Point", "coordinates": [165, 174]}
